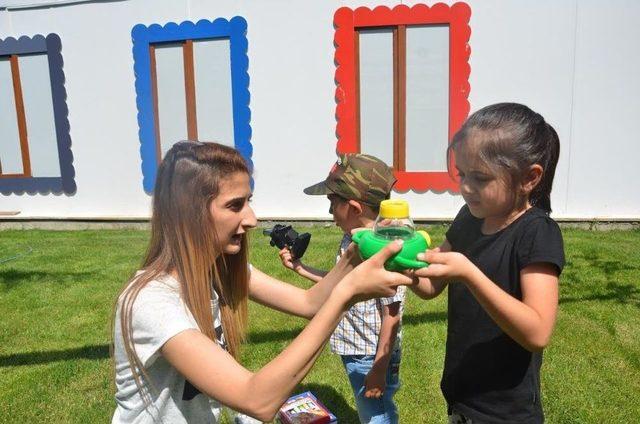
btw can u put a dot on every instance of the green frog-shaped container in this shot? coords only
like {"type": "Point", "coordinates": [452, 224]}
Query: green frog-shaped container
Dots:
{"type": "Point", "coordinates": [393, 223]}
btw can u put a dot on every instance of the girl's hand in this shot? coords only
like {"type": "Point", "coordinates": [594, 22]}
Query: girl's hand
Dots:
{"type": "Point", "coordinates": [369, 279]}
{"type": "Point", "coordinates": [444, 265]}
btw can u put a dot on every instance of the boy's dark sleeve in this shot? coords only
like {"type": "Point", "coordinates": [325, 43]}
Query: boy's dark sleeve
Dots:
{"type": "Point", "coordinates": [541, 243]}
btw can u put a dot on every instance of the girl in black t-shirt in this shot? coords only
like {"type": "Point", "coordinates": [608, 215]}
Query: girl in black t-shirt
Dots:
{"type": "Point", "coordinates": [501, 260]}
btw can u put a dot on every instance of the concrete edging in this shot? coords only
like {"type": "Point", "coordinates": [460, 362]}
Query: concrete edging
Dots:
{"type": "Point", "coordinates": [143, 224]}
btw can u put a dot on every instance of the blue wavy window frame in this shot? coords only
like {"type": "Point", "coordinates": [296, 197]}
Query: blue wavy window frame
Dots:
{"type": "Point", "coordinates": [235, 29]}
{"type": "Point", "coordinates": [52, 46]}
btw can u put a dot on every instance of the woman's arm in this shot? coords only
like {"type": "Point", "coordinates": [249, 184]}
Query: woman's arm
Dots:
{"type": "Point", "coordinates": [214, 372]}
{"type": "Point", "coordinates": [428, 288]}
{"type": "Point", "coordinates": [529, 322]}
{"type": "Point", "coordinates": [288, 298]}
{"type": "Point", "coordinates": [260, 394]}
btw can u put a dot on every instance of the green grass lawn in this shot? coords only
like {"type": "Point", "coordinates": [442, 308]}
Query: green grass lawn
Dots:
{"type": "Point", "coordinates": [56, 302]}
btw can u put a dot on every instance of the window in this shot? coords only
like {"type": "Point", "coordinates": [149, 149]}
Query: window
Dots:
{"type": "Point", "coordinates": [191, 84]}
{"type": "Point", "coordinates": [402, 87]}
{"type": "Point", "coordinates": [35, 147]}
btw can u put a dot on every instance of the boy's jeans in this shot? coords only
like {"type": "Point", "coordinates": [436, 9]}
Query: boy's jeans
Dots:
{"type": "Point", "coordinates": [372, 410]}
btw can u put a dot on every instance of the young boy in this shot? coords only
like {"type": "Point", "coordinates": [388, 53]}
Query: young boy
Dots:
{"type": "Point", "coordinates": [368, 337]}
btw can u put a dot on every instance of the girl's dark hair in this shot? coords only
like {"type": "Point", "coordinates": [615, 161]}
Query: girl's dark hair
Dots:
{"type": "Point", "coordinates": [512, 138]}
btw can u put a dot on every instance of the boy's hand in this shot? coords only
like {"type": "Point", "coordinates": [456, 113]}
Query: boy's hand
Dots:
{"type": "Point", "coordinates": [375, 382]}
{"type": "Point", "coordinates": [286, 257]}
{"type": "Point", "coordinates": [444, 265]}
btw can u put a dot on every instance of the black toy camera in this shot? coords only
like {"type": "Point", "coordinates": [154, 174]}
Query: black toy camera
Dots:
{"type": "Point", "coordinates": [285, 235]}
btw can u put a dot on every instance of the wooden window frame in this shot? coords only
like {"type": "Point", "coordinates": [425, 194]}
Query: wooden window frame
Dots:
{"type": "Point", "coordinates": [348, 23]}
{"type": "Point", "coordinates": [189, 90]}
{"type": "Point", "coordinates": [25, 182]}
{"type": "Point", "coordinates": [21, 120]}
{"type": "Point", "coordinates": [144, 39]}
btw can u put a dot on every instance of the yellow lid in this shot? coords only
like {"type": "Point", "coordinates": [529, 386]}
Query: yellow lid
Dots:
{"type": "Point", "coordinates": [394, 209]}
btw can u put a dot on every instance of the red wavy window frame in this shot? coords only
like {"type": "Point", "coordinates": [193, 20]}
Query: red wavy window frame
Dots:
{"type": "Point", "coordinates": [348, 21]}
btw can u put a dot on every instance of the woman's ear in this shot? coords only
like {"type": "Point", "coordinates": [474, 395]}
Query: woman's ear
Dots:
{"type": "Point", "coordinates": [532, 178]}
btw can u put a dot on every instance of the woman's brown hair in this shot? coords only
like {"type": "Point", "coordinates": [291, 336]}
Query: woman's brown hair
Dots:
{"type": "Point", "coordinates": [183, 242]}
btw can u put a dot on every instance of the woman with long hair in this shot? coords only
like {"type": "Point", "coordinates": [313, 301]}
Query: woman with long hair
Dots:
{"type": "Point", "coordinates": [179, 322]}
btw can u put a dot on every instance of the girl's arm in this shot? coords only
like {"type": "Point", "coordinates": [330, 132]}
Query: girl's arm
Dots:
{"type": "Point", "coordinates": [299, 268]}
{"type": "Point", "coordinates": [529, 322]}
{"type": "Point", "coordinates": [428, 288]}
{"type": "Point", "coordinates": [214, 372]}
{"type": "Point", "coordinates": [288, 298]}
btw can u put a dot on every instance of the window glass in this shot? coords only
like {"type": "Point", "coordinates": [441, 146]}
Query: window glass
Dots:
{"type": "Point", "coordinates": [427, 97]}
{"type": "Point", "coordinates": [212, 69]}
{"type": "Point", "coordinates": [38, 106]}
{"type": "Point", "coordinates": [376, 93]}
{"type": "Point", "coordinates": [172, 107]}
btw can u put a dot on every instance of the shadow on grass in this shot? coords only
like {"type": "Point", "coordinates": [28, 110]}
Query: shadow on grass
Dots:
{"type": "Point", "coordinates": [273, 336]}
{"type": "Point", "coordinates": [102, 351]}
{"type": "Point", "coordinates": [292, 333]}
{"type": "Point", "coordinates": [332, 400]}
{"type": "Point", "coordinates": [622, 293]}
{"type": "Point", "coordinates": [423, 317]}
{"type": "Point", "coordinates": [626, 294]}
{"type": "Point", "coordinates": [34, 358]}
{"type": "Point", "coordinates": [607, 266]}
{"type": "Point", "coordinates": [11, 278]}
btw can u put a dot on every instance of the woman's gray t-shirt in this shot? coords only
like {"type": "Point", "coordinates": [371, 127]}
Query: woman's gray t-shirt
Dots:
{"type": "Point", "coordinates": [159, 314]}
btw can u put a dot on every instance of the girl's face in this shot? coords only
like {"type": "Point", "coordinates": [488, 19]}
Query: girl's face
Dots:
{"type": "Point", "coordinates": [231, 212]}
{"type": "Point", "coordinates": [487, 193]}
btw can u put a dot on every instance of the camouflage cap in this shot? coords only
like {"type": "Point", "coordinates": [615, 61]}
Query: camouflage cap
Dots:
{"type": "Point", "coordinates": [356, 176]}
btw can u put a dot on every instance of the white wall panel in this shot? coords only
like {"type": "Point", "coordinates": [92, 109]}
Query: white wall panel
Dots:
{"type": "Point", "coordinates": [524, 52]}
{"type": "Point", "coordinates": [528, 52]}
{"type": "Point", "coordinates": [605, 142]}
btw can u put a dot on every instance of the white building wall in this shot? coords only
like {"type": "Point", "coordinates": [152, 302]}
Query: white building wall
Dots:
{"type": "Point", "coordinates": [575, 62]}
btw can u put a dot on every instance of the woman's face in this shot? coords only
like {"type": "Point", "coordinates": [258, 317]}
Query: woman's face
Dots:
{"type": "Point", "coordinates": [232, 213]}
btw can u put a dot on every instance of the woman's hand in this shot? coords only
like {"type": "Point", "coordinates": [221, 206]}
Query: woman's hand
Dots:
{"type": "Point", "coordinates": [370, 280]}
{"type": "Point", "coordinates": [444, 266]}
